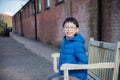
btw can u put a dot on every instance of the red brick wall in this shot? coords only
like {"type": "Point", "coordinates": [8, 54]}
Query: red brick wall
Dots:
{"type": "Point", "coordinates": [115, 21]}
{"type": "Point", "coordinates": [28, 22]}
{"type": "Point", "coordinates": [29, 27]}
{"type": "Point", "coordinates": [49, 22]}
{"type": "Point", "coordinates": [92, 18]}
{"type": "Point", "coordinates": [111, 20]}
{"type": "Point", "coordinates": [80, 10]}
{"type": "Point", "coordinates": [106, 24]}
{"type": "Point", "coordinates": [18, 27]}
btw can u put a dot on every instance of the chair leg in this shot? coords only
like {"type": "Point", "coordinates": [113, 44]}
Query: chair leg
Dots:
{"type": "Point", "coordinates": [66, 77]}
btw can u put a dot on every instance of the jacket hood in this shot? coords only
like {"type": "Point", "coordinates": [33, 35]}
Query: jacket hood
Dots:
{"type": "Point", "coordinates": [77, 38]}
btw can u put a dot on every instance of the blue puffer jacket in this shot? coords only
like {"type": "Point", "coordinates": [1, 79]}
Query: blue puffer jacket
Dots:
{"type": "Point", "coordinates": [73, 51]}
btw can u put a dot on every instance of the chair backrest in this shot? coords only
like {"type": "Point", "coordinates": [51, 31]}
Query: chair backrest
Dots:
{"type": "Point", "coordinates": [99, 52]}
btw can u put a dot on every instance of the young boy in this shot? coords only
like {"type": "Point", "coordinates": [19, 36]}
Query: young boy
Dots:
{"type": "Point", "coordinates": [72, 51]}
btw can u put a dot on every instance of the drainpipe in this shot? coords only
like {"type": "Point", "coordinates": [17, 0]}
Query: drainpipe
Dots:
{"type": "Point", "coordinates": [35, 17]}
{"type": "Point", "coordinates": [69, 8]}
{"type": "Point", "coordinates": [99, 20]}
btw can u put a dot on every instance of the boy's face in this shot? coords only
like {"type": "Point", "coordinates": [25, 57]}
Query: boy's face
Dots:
{"type": "Point", "coordinates": [70, 29]}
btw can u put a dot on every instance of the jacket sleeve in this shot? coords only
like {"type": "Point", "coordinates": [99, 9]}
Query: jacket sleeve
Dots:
{"type": "Point", "coordinates": [80, 54]}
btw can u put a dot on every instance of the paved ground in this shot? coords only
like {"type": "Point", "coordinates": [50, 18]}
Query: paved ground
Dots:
{"type": "Point", "coordinates": [24, 59]}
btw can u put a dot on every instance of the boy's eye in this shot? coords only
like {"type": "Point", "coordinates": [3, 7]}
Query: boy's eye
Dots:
{"type": "Point", "coordinates": [69, 27]}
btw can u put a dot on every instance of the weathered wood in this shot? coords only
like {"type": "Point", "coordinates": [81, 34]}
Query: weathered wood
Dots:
{"type": "Point", "coordinates": [103, 58]}
{"type": "Point", "coordinates": [55, 63]}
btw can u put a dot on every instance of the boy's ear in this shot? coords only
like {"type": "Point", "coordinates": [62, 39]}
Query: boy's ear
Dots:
{"type": "Point", "coordinates": [77, 29]}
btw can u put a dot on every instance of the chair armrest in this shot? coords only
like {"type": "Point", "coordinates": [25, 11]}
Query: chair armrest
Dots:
{"type": "Point", "coordinates": [87, 66]}
{"type": "Point", "coordinates": [55, 56]}
{"type": "Point", "coordinates": [67, 67]}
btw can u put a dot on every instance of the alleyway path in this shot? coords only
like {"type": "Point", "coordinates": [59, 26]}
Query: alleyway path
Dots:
{"type": "Point", "coordinates": [24, 59]}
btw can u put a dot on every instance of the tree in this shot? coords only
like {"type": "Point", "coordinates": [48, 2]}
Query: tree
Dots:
{"type": "Point", "coordinates": [2, 25]}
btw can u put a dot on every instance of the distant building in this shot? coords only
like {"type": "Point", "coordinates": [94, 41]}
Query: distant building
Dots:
{"type": "Point", "coordinates": [42, 19]}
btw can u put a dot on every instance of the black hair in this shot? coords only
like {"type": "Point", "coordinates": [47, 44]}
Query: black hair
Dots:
{"type": "Point", "coordinates": [71, 19]}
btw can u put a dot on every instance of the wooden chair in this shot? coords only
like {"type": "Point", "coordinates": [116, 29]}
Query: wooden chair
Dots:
{"type": "Point", "coordinates": [103, 61]}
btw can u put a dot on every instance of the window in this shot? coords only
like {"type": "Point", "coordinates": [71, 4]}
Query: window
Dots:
{"type": "Point", "coordinates": [47, 3]}
{"type": "Point", "coordinates": [39, 5]}
{"type": "Point", "coordinates": [59, 2]}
